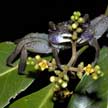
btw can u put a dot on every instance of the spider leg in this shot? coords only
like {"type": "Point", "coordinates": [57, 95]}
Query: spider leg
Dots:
{"type": "Point", "coordinates": [95, 44]}
{"type": "Point", "coordinates": [22, 63]}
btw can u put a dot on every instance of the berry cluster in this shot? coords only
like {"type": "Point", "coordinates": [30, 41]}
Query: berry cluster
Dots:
{"type": "Point", "coordinates": [76, 26]}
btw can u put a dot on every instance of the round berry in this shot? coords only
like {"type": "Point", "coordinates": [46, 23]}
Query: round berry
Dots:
{"type": "Point", "coordinates": [81, 20]}
{"type": "Point", "coordinates": [78, 13]}
{"type": "Point", "coordinates": [59, 80]}
{"type": "Point", "coordinates": [36, 66]}
{"type": "Point", "coordinates": [37, 57]}
{"type": "Point", "coordinates": [74, 25]}
{"type": "Point", "coordinates": [79, 30]}
{"type": "Point", "coordinates": [52, 78]}
{"type": "Point", "coordinates": [72, 18]}
{"type": "Point", "coordinates": [64, 84]}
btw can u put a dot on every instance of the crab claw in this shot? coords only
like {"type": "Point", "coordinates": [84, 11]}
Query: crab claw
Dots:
{"type": "Point", "coordinates": [81, 41]}
{"type": "Point", "coordinates": [65, 37]}
{"type": "Point", "coordinates": [59, 38]}
{"type": "Point", "coordinates": [86, 36]}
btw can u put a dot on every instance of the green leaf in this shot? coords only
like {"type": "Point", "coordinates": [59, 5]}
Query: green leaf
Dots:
{"type": "Point", "coordinates": [93, 93]}
{"type": "Point", "coordinates": [11, 84]}
{"type": "Point", "coordinates": [39, 99]}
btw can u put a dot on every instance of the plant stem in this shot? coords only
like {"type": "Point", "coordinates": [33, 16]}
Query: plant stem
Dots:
{"type": "Point", "coordinates": [74, 53]}
{"type": "Point", "coordinates": [80, 51]}
{"type": "Point", "coordinates": [106, 11]}
{"type": "Point", "coordinates": [73, 69]}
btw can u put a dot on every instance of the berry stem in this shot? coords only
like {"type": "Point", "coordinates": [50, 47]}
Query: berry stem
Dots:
{"type": "Point", "coordinates": [74, 53]}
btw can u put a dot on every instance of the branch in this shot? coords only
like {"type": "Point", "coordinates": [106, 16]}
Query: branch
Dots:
{"type": "Point", "coordinates": [74, 53]}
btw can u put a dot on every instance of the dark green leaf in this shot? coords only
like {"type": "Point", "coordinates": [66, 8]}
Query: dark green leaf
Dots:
{"type": "Point", "coordinates": [40, 99]}
{"type": "Point", "coordinates": [11, 84]}
{"type": "Point", "coordinates": [93, 93]}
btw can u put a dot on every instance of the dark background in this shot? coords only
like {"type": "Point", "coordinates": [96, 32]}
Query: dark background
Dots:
{"type": "Point", "coordinates": [19, 18]}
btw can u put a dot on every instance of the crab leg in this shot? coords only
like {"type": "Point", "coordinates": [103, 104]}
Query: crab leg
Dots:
{"type": "Point", "coordinates": [95, 44]}
{"type": "Point", "coordinates": [14, 54]}
{"type": "Point", "coordinates": [22, 63]}
{"type": "Point", "coordinates": [18, 49]}
{"type": "Point", "coordinates": [55, 54]}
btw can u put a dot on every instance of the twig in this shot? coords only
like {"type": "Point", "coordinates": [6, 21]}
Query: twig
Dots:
{"type": "Point", "coordinates": [80, 51]}
{"type": "Point", "coordinates": [73, 57]}
{"type": "Point", "coordinates": [73, 69]}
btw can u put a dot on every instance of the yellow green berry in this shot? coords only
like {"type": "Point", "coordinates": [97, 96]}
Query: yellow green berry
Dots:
{"type": "Point", "coordinates": [57, 72]}
{"type": "Point", "coordinates": [29, 58]}
{"type": "Point", "coordinates": [65, 77]}
{"type": "Point", "coordinates": [36, 66]}
{"type": "Point", "coordinates": [75, 13]}
{"type": "Point", "coordinates": [81, 65]}
{"type": "Point", "coordinates": [54, 98]}
{"type": "Point", "coordinates": [79, 30]}
{"type": "Point", "coordinates": [78, 13]}
{"type": "Point", "coordinates": [74, 25]}
{"type": "Point", "coordinates": [98, 72]}
{"type": "Point", "coordinates": [70, 27]}
{"type": "Point", "coordinates": [94, 76]}
{"type": "Point", "coordinates": [76, 17]}
{"type": "Point", "coordinates": [53, 61]}
{"type": "Point", "coordinates": [56, 87]}
{"type": "Point", "coordinates": [97, 67]}
{"type": "Point", "coordinates": [81, 20]}
{"type": "Point", "coordinates": [79, 74]}
{"type": "Point", "coordinates": [64, 84]}
{"type": "Point", "coordinates": [59, 80]}
{"type": "Point", "coordinates": [72, 18]}
{"type": "Point", "coordinates": [32, 62]}
{"type": "Point", "coordinates": [50, 69]}
{"type": "Point", "coordinates": [27, 62]}
{"type": "Point", "coordinates": [52, 79]}
{"type": "Point", "coordinates": [102, 74]}
{"type": "Point", "coordinates": [38, 57]}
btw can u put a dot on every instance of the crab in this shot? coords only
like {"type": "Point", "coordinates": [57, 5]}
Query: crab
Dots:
{"type": "Point", "coordinates": [56, 40]}
{"type": "Point", "coordinates": [95, 30]}
{"type": "Point", "coordinates": [41, 43]}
